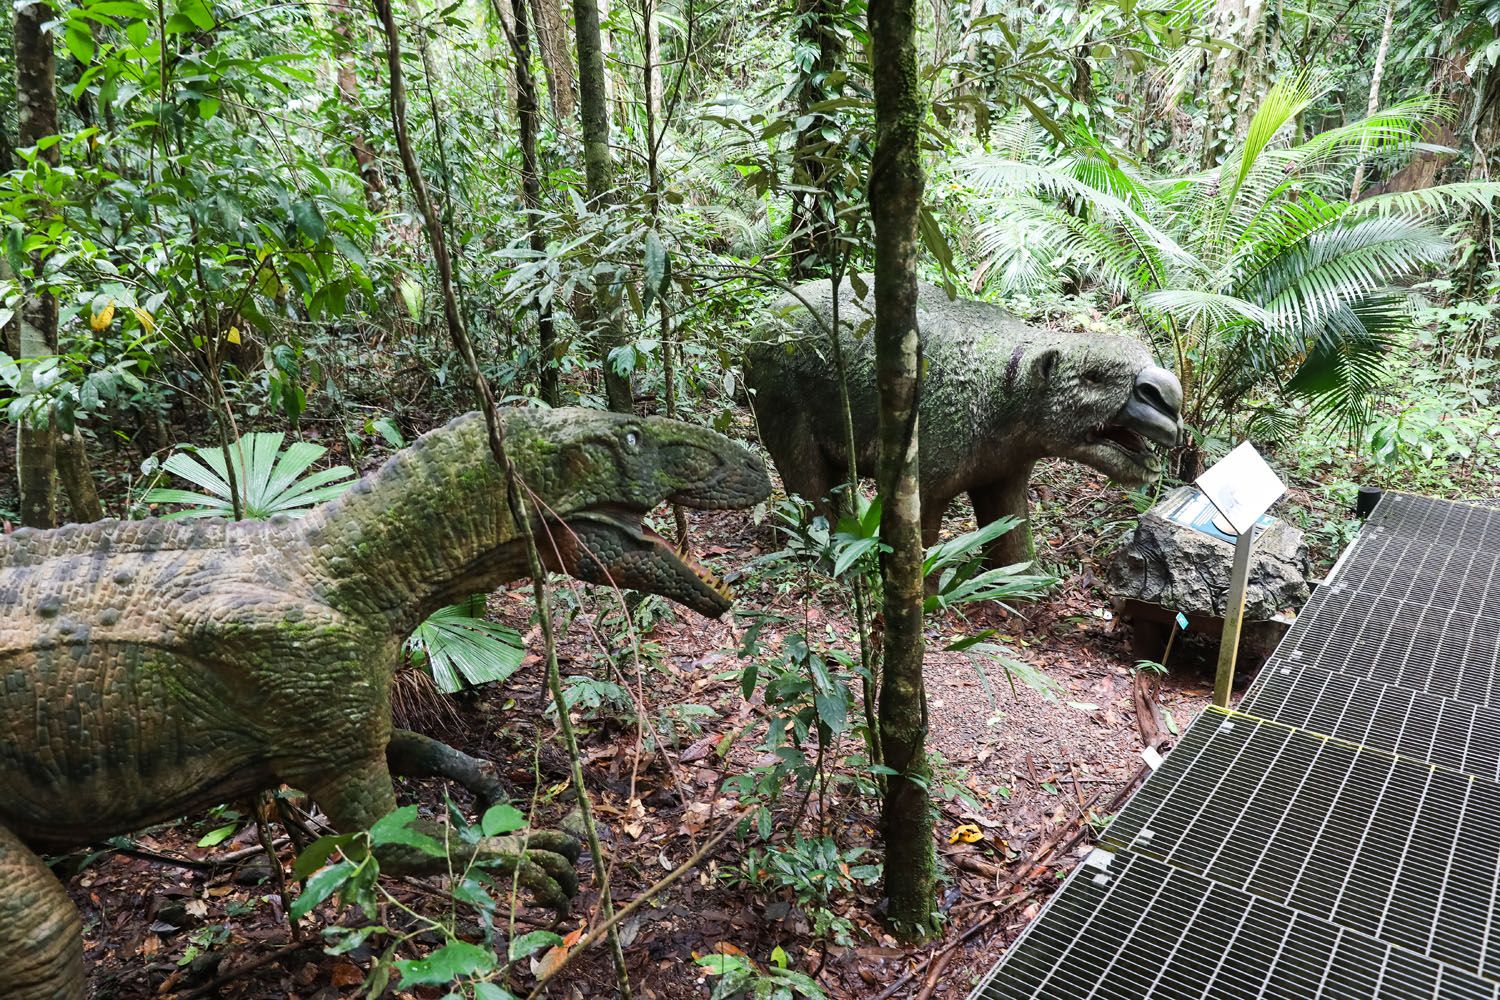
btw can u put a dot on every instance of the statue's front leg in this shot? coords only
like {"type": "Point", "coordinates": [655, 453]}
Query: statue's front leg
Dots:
{"type": "Point", "coordinates": [356, 795]}
{"type": "Point", "coordinates": [1002, 498]}
{"type": "Point", "coordinates": [41, 936]}
{"type": "Point", "coordinates": [412, 755]}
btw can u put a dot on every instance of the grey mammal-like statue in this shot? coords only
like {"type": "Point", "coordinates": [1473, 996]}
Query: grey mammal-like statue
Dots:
{"type": "Point", "coordinates": [997, 395]}
{"type": "Point", "coordinates": [150, 669]}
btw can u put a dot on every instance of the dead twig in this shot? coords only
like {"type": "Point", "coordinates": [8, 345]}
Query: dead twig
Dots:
{"type": "Point", "coordinates": [214, 988]}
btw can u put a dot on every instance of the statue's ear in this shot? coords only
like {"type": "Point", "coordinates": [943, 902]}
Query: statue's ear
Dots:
{"type": "Point", "coordinates": [1045, 366]}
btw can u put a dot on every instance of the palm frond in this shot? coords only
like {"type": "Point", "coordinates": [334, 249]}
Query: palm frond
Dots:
{"type": "Point", "coordinates": [1441, 199]}
{"type": "Point", "coordinates": [1191, 306]}
{"type": "Point", "coordinates": [456, 642]}
{"type": "Point", "coordinates": [270, 481]}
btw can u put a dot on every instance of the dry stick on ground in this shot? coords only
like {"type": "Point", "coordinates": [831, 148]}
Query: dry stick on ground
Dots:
{"type": "Point", "coordinates": [519, 506]}
{"type": "Point", "coordinates": [212, 989]}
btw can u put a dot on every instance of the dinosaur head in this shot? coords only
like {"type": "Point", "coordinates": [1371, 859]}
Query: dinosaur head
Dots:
{"type": "Point", "coordinates": [606, 471]}
{"type": "Point", "coordinates": [1107, 405]}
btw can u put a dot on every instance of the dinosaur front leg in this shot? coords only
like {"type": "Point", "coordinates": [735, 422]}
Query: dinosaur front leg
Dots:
{"type": "Point", "coordinates": [356, 797]}
{"type": "Point", "coordinates": [41, 937]}
{"type": "Point", "coordinates": [1001, 498]}
{"type": "Point", "coordinates": [412, 755]}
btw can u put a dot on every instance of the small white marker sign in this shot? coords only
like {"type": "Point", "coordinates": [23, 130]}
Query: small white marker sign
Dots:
{"type": "Point", "coordinates": [1242, 487]}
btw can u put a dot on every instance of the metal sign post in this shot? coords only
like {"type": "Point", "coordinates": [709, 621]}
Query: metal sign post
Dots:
{"type": "Point", "coordinates": [1242, 487]}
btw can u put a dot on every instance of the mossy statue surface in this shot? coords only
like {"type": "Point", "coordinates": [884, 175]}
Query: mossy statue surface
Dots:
{"type": "Point", "coordinates": [150, 669]}
{"type": "Point", "coordinates": [997, 395]}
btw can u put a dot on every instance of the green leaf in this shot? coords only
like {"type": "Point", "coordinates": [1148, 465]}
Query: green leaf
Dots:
{"type": "Point", "coordinates": [452, 960]}
{"type": "Point", "coordinates": [309, 220]}
{"type": "Point", "coordinates": [348, 940]}
{"type": "Point", "coordinates": [316, 854]}
{"type": "Point", "coordinates": [215, 837]}
{"type": "Point", "coordinates": [79, 39]}
{"type": "Point", "coordinates": [196, 11]}
{"type": "Point", "coordinates": [658, 268]}
{"type": "Point", "coordinates": [530, 944]}
{"type": "Point", "coordinates": [489, 991]}
{"type": "Point", "coordinates": [320, 887]}
{"type": "Point", "coordinates": [501, 818]}
{"type": "Point", "coordinates": [395, 828]}
{"type": "Point", "coordinates": [208, 107]}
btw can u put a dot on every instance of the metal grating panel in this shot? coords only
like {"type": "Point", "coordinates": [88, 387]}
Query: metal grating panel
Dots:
{"type": "Point", "coordinates": [1406, 568]}
{"type": "Point", "coordinates": [1412, 724]}
{"type": "Point", "coordinates": [1397, 850]}
{"type": "Point", "coordinates": [1438, 522]}
{"type": "Point", "coordinates": [1126, 927]}
{"type": "Point", "coordinates": [1444, 651]}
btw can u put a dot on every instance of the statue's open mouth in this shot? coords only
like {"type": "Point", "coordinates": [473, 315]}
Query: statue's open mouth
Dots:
{"type": "Point", "coordinates": [612, 545]}
{"type": "Point", "coordinates": [1132, 442]}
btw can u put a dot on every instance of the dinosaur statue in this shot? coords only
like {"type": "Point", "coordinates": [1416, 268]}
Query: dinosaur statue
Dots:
{"type": "Point", "coordinates": [150, 669]}
{"type": "Point", "coordinates": [997, 395]}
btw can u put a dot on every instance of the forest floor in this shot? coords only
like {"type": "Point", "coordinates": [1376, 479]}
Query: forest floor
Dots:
{"type": "Point", "coordinates": [1035, 774]}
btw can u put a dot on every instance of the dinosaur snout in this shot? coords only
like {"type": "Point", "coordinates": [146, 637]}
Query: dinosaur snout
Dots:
{"type": "Point", "coordinates": [1155, 405]}
{"type": "Point", "coordinates": [730, 477]}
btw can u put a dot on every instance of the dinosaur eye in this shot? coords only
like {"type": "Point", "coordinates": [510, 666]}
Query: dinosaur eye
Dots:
{"type": "Point", "coordinates": [632, 439]}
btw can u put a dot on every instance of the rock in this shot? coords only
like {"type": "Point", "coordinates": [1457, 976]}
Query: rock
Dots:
{"type": "Point", "coordinates": [1183, 569]}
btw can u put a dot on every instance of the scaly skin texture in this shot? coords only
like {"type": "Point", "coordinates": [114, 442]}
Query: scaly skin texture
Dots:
{"type": "Point", "coordinates": [150, 669]}
{"type": "Point", "coordinates": [997, 395]}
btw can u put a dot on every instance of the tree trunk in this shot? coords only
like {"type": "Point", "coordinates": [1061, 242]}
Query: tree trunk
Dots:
{"type": "Point", "coordinates": [598, 174]}
{"type": "Point", "coordinates": [348, 82]}
{"type": "Point", "coordinates": [77, 481]}
{"type": "Point", "coordinates": [1450, 82]}
{"type": "Point", "coordinates": [1237, 21]}
{"type": "Point", "coordinates": [36, 105]}
{"type": "Point", "coordinates": [1375, 76]}
{"type": "Point", "coordinates": [896, 183]}
{"type": "Point", "coordinates": [552, 42]}
{"type": "Point", "coordinates": [814, 222]}
{"type": "Point", "coordinates": [531, 186]}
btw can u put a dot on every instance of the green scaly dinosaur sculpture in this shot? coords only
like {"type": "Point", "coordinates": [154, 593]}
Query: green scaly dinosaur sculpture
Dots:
{"type": "Point", "coordinates": [150, 669]}
{"type": "Point", "coordinates": [997, 395]}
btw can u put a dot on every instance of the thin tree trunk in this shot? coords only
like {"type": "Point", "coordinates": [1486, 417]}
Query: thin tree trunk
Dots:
{"type": "Point", "coordinates": [77, 482]}
{"type": "Point", "coordinates": [1450, 82]}
{"type": "Point", "coordinates": [599, 178]}
{"type": "Point", "coordinates": [1375, 77]}
{"type": "Point", "coordinates": [348, 83]}
{"type": "Point", "coordinates": [814, 226]}
{"type": "Point", "coordinates": [531, 186]}
{"type": "Point", "coordinates": [552, 42]}
{"type": "Point", "coordinates": [896, 183]}
{"type": "Point", "coordinates": [1237, 21]}
{"type": "Point", "coordinates": [36, 118]}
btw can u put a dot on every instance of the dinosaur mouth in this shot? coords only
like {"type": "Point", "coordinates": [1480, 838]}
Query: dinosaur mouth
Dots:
{"type": "Point", "coordinates": [612, 545]}
{"type": "Point", "coordinates": [701, 572]}
{"type": "Point", "coordinates": [1130, 441]}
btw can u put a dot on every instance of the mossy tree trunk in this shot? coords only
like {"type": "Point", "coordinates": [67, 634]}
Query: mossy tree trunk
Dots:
{"type": "Point", "coordinates": [552, 44]}
{"type": "Point", "coordinates": [896, 184]}
{"type": "Point", "coordinates": [348, 84]}
{"type": "Point", "coordinates": [593, 102]}
{"type": "Point", "coordinates": [36, 118]}
{"type": "Point", "coordinates": [528, 117]}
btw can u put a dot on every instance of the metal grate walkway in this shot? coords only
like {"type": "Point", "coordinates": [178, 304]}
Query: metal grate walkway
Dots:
{"type": "Point", "coordinates": [1339, 835]}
